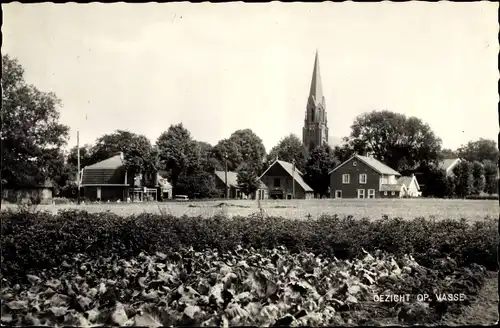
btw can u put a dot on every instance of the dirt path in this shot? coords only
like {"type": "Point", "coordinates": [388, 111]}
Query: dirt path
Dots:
{"type": "Point", "coordinates": [483, 310]}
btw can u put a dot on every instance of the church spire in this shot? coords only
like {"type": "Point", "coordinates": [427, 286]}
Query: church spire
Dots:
{"type": "Point", "coordinates": [316, 92]}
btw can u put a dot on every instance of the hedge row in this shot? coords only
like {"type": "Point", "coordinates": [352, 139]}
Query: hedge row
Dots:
{"type": "Point", "coordinates": [42, 240]}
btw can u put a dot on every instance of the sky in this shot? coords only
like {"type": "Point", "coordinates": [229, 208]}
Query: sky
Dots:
{"type": "Point", "coordinates": [221, 67]}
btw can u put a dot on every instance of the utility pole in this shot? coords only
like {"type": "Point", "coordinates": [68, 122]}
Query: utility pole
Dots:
{"type": "Point", "coordinates": [225, 174]}
{"type": "Point", "coordinates": [78, 156]}
{"type": "Point", "coordinates": [293, 179]}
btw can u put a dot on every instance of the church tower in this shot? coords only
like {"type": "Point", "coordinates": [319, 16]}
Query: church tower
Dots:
{"type": "Point", "coordinates": [315, 131]}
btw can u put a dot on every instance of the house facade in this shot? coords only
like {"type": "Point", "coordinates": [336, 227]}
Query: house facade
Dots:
{"type": "Point", "coordinates": [234, 191]}
{"type": "Point", "coordinates": [108, 180]}
{"type": "Point", "coordinates": [279, 179]}
{"type": "Point", "coordinates": [410, 185]}
{"type": "Point", "coordinates": [36, 194]}
{"type": "Point", "coordinates": [365, 177]}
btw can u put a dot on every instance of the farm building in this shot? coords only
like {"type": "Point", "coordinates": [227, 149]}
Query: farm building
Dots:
{"type": "Point", "coordinates": [234, 191]}
{"type": "Point", "coordinates": [448, 165]}
{"type": "Point", "coordinates": [108, 180]}
{"type": "Point", "coordinates": [36, 194]}
{"type": "Point", "coordinates": [166, 188]}
{"type": "Point", "coordinates": [279, 178]}
{"type": "Point", "coordinates": [365, 177]}
{"type": "Point", "coordinates": [411, 186]}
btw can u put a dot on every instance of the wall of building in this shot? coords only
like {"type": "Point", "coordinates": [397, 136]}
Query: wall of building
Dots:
{"type": "Point", "coordinates": [350, 190]}
{"type": "Point", "coordinates": [110, 193]}
{"type": "Point", "coordinates": [390, 194]}
{"type": "Point", "coordinates": [28, 195]}
{"type": "Point", "coordinates": [285, 185]}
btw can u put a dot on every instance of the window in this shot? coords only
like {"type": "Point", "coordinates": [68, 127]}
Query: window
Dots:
{"type": "Point", "coordinates": [371, 193]}
{"type": "Point", "coordinates": [393, 193]}
{"type": "Point", "coordinates": [385, 193]}
{"type": "Point", "coordinates": [354, 163]}
{"type": "Point", "coordinates": [338, 193]}
{"type": "Point", "coordinates": [361, 193]}
{"type": "Point", "coordinates": [345, 178]}
{"type": "Point", "coordinates": [362, 178]}
{"type": "Point", "coordinates": [277, 182]}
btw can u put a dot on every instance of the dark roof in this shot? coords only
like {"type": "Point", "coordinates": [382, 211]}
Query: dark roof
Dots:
{"type": "Point", "coordinates": [391, 187]}
{"type": "Point", "coordinates": [373, 163]}
{"type": "Point", "coordinates": [288, 167]}
{"type": "Point", "coordinates": [232, 179]}
{"type": "Point", "coordinates": [107, 172]}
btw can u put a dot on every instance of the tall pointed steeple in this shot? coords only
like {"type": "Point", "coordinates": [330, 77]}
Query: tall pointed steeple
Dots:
{"type": "Point", "coordinates": [315, 131]}
{"type": "Point", "coordinates": [316, 91]}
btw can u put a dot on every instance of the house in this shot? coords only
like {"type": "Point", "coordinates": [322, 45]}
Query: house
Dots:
{"type": "Point", "coordinates": [233, 189]}
{"type": "Point", "coordinates": [106, 180]}
{"type": "Point", "coordinates": [281, 178]}
{"type": "Point", "coordinates": [448, 165]}
{"type": "Point", "coordinates": [166, 189]}
{"type": "Point", "coordinates": [410, 185]}
{"type": "Point", "coordinates": [35, 194]}
{"type": "Point", "coordinates": [365, 177]}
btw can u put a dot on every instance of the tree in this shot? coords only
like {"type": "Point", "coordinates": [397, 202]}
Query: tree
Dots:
{"type": "Point", "coordinates": [433, 180]}
{"type": "Point", "coordinates": [247, 179]}
{"type": "Point", "coordinates": [198, 184]}
{"type": "Point", "coordinates": [480, 150]}
{"type": "Point", "coordinates": [448, 153]}
{"type": "Point", "coordinates": [478, 178]}
{"type": "Point", "coordinates": [491, 177]}
{"type": "Point", "coordinates": [85, 157]}
{"type": "Point", "coordinates": [400, 142]}
{"type": "Point", "coordinates": [209, 162]}
{"type": "Point", "coordinates": [142, 158]}
{"type": "Point", "coordinates": [32, 137]}
{"type": "Point", "coordinates": [321, 161]}
{"type": "Point", "coordinates": [464, 179]}
{"type": "Point", "coordinates": [243, 146]}
{"type": "Point", "coordinates": [178, 153]}
{"type": "Point", "coordinates": [450, 186]}
{"type": "Point", "coordinates": [289, 149]}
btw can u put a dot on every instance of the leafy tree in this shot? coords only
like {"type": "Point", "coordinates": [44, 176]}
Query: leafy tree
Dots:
{"type": "Point", "coordinates": [464, 179]}
{"type": "Point", "coordinates": [433, 180]}
{"type": "Point", "coordinates": [243, 146]}
{"type": "Point", "coordinates": [450, 186]}
{"type": "Point", "coordinates": [178, 153]}
{"type": "Point", "coordinates": [85, 157]}
{"type": "Point", "coordinates": [321, 161]}
{"type": "Point", "coordinates": [491, 177]}
{"type": "Point", "coordinates": [480, 150]}
{"type": "Point", "coordinates": [448, 153]}
{"type": "Point", "coordinates": [209, 162]}
{"type": "Point", "coordinates": [400, 142]}
{"type": "Point", "coordinates": [247, 179]}
{"type": "Point", "coordinates": [32, 137]}
{"type": "Point", "coordinates": [142, 158]}
{"type": "Point", "coordinates": [345, 150]}
{"type": "Point", "coordinates": [289, 149]}
{"type": "Point", "coordinates": [478, 178]}
{"type": "Point", "coordinates": [198, 184]}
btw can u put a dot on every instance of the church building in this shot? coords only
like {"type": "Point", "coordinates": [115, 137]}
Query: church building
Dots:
{"type": "Point", "coordinates": [315, 131]}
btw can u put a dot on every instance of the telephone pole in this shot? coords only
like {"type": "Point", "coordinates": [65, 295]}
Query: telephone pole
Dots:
{"type": "Point", "coordinates": [78, 156]}
{"type": "Point", "coordinates": [225, 174]}
{"type": "Point", "coordinates": [293, 179]}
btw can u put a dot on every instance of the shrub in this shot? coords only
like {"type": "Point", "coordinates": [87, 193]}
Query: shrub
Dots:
{"type": "Point", "coordinates": [483, 197]}
{"type": "Point", "coordinates": [41, 240]}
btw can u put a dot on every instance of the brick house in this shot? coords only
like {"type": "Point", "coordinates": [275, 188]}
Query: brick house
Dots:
{"type": "Point", "coordinates": [365, 177]}
{"type": "Point", "coordinates": [234, 191]}
{"type": "Point", "coordinates": [279, 179]}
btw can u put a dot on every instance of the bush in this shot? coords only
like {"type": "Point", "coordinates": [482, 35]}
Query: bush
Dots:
{"type": "Point", "coordinates": [43, 240]}
{"type": "Point", "coordinates": [483, 197]}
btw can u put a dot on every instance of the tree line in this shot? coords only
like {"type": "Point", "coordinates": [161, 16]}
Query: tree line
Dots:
{"type": "Point", "coordinates": [33, 143]}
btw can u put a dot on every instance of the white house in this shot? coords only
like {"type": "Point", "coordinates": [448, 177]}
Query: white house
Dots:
{"type": "Point", "coordinates": [410, 186]}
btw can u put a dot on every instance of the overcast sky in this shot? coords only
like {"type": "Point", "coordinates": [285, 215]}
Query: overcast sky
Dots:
{"type": "Point", "coordinates": [222, 67]}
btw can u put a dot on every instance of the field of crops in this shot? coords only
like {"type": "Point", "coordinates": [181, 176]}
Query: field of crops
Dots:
{"type": "Point", "coordinates": [472, 210]}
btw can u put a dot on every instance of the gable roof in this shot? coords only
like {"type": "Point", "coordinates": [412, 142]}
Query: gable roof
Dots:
{"type": "Point", "coordinates": [406, 181]}
{"type": "Point", "coordinates": [288, 167]}
{"type": "Point", "coordinates": [163, 182]}
{"type": "Point", "coordinates": [445, 164]}
{"type": "Point", "coordinates": [391, 187]}
{"type": "Point", "coordinates": [110, 163]}
{"type": "Point", "coordinates": [371, 162]}
{"type": "Point", "coordinates": [106, 172]}
{"type": "Point", "coordinates": [232, 179]}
